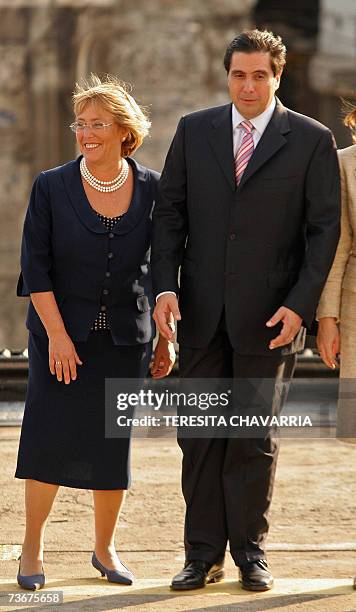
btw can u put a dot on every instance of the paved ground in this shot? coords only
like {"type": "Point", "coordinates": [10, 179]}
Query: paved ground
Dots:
{"type": "Point", "coordinates": [312, 543]}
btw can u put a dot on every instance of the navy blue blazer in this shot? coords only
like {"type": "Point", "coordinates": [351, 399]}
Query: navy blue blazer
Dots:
{"type": "Point", "coordinates": [67, 249]}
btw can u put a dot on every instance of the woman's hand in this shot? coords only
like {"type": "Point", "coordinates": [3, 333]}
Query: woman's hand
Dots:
{"type": "Point", "coordinates": [164, 358]}
{"type": "Point", "coordinates": [328, 341]}
{"type": "Point", "coordinates": [63, 358]}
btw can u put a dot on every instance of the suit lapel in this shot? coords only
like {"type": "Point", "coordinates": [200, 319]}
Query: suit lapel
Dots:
{"type": "Point", "coordinates": [78, 199]}
{"type": "Point", "coordinates": [87, 215]}
{"type": "Point", "coordinates": [220, 139]}
{"type": "Point", "coordinates": [272, 140]}
{"type": "Point", "coordinates": [141, 197]}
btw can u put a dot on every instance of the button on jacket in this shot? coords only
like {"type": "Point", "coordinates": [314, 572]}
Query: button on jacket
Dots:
{"type": "Point", "coordinates": [67, 249]}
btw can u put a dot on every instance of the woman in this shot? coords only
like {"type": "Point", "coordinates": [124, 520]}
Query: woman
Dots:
{"type": "Point", "coordinates": [85, 264]}
{"type": "Point", "coordinates": [337, 307]}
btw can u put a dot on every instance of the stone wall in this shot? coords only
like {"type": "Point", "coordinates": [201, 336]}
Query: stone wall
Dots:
{"type": "Point", "coordinates": [15, 164]}
{"type": "Point", "coordinates": [333, 69]}
{"type": "Point", "coordinates": [171, 51]}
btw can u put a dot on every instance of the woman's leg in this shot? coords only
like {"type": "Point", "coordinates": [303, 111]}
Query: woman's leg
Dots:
{"type": "Point", "coordinates": [131, 362]}
{"type": "Point", "coordinates": [107, 505]}
{"type": "Point", "coordinates": [39, 498]}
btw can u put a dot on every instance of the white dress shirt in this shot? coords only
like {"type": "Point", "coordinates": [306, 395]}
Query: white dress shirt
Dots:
{"type": "Point", "coordinates": [259, 123]}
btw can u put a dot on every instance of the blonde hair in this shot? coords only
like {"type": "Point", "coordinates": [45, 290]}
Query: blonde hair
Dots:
{"type": "Point", "coordinates": [112, 94]}
{"type": "Point", "coordinates": [350, 117]}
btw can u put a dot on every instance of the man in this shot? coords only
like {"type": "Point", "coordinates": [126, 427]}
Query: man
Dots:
{"type": "Point", "coordinates": [249, 208]}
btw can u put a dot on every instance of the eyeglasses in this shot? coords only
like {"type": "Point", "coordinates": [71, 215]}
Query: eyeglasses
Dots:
{"type": "Point", "coordinates": [79, 126]}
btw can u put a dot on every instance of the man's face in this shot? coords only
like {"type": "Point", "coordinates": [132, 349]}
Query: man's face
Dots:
{"type": "Point", "coordinates": [251, 82]}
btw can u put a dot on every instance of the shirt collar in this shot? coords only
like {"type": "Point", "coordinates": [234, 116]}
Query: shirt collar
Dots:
{"type": "Point", "coordinates": [260, 122]}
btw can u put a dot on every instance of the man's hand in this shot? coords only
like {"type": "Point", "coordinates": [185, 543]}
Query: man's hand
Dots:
{"type": "Point", "coordinates": [165, 314]}
{"type": "Point", "coordinates": [291, 325]}
{"type": "Point", "coordinates": [164, 358]}
{"type": "Point", "coordinates": [328, 341]}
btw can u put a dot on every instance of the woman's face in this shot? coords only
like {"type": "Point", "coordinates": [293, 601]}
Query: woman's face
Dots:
{"type": "Point", "coordinates": [99, 145]}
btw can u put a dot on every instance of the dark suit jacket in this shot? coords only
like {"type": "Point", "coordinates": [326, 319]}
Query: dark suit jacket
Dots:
{"type": "Point", "coordinates": [67, 249]}
{"type": "Point", "coordinates": [251, 249]}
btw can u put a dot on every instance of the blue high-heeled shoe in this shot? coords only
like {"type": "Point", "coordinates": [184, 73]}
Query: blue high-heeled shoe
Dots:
{"type": "Point", "coordinates": [112, 575]}
{"type": "Point", "coordinates": [31, 583]}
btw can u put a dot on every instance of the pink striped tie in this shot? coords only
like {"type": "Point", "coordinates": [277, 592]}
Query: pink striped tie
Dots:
{"type": "Point", "coordinates": [245, 150]}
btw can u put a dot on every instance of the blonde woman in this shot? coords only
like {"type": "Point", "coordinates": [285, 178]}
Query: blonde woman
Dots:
{"type": "Point", "coordinates": [337, 307]}
{"type": "Point", "coordinates": [85, 265]}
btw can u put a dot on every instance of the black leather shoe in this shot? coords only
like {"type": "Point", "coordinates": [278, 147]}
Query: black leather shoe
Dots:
{"type": "Point", "coordinates": [196, 574]}
{"type": "Point", "coordinates": [255, 576]}
{"type": "Point", "coordinates": [355, 583]}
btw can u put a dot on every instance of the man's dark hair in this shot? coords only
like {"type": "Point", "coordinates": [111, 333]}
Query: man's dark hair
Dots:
{"type": "Point", "coordinates": [263, 41]}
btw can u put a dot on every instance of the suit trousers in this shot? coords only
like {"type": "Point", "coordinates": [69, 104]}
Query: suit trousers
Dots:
{"type": "Point", "coordinates": [227, 483]}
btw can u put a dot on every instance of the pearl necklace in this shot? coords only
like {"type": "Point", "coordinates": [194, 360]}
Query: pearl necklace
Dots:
{"type": "Point", "coordinates": [105, 186]}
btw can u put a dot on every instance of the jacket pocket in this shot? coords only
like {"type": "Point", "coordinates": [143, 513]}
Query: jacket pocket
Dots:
{"type": "Point", "coordinates": [281, 280]}
{"type": "Point", "coordinates": [349, 282]}
{"type": "Point", "coordinates": [143, 304]}
{"type": "Point", "coordinates": [188, 267]}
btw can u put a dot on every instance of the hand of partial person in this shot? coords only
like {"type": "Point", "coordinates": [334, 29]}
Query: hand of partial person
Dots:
{"type": "Point", "coordinates": [164, 358]}
{"type": "Point", "coordinates": [165, 314]}
{"type": "Point", "coordinates": [63, 358]}
{"type": "Point", "coordinates": [291, 325]}
{"type": "Point", "coordinates": [328, 341]}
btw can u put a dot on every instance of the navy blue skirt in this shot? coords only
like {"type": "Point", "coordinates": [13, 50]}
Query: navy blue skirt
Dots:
{"type": "Point", "coordinates": [63, 431]}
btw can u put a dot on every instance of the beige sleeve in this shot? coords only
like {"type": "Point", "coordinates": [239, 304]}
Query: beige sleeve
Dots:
{"type": "Point", "coordinates": [330, 301]}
